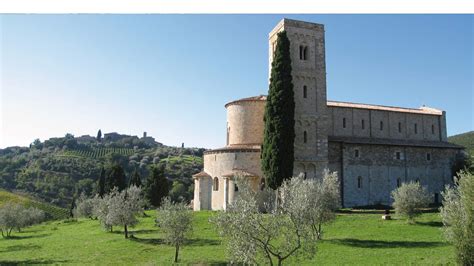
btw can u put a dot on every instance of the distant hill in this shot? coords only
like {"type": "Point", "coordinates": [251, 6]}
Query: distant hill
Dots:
{"type": "Point", "coordinates": [52, 212]}
{"type": "Point", "coordinates": [465, 139]}
{"type": "Point", "coordinates": [59, 169]}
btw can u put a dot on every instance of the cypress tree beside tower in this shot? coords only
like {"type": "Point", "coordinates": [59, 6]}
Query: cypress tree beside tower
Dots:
{"type": "Point", "coordinates": [279, 132]}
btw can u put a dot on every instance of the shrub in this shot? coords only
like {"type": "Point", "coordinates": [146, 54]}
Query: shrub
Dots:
{"type": "Point", "coordinates": [458, 217]}
{"type": "Point", "coordinates": [17, 216]}
{"type": "Point", "coordinates": [409, 198]}
{"type": "Point", "coordinates": [84, 207]}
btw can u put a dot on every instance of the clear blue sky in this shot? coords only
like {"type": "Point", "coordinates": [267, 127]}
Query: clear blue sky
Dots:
{"type": "Point", "coordinates": [170, 75]}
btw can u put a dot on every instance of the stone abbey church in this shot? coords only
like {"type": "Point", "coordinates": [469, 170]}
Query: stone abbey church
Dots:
{"type": "Point", "coordinates": [373, 148]}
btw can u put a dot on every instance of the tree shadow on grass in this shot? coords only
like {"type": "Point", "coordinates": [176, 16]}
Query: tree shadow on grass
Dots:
{"type": "Point", "coordinates": [19, 248]}
{"type": "Point", "coordinates": [385, 244]}
{"type": "Point", "coordinates": [144, 231]}
{"type": "Point", "coordinates": [149, 241]}
{"type": "Point", "coordinates": [32, 261]}
{"type": "Point", "coordinates": [433, 224]}
{"type": "Point", "coordinates": [19, 237]}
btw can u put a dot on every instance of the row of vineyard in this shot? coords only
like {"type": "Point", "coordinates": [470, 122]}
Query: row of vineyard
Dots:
{"type": "Point", "coordinates": [98, 152]}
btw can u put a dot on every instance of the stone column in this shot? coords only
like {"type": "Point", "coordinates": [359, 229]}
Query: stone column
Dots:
{"type": "Point", "coordinates": [226, 192]}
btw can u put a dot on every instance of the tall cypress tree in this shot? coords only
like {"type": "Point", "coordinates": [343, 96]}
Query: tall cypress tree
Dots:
{"type": "Point", "coordinates": [115, 178]}
{"type": "Point", "coordinates": [156, 186]}
{"type": "Point", "coordinates": [279, 117]}
{"type": "Point", "coordinates": [135, 179]}
{"type": "Point", "coordinates": [101, 183]}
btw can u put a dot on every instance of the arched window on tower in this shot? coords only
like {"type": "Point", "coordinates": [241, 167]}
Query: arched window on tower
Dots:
{"type": "Point", "coordinates": [301, 52]}
{"type": "Point", "coordinates": [305, 53]}
{"type": "Point", "coordinates": [305, 91]}
{"type": "Point", "coordinates": [215, 185]}
{"type": "Point", "coordinates": [305, 137]}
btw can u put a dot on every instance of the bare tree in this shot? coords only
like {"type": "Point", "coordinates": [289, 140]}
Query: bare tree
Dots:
{"type": "Point", "coordinates": [256, 228]}
{"type": "Point", "coordinates": [175, 220]}
{"type": "Point", "coordinates": [458, 217]}
{"type": "Point", "coordinates": [409, 198]}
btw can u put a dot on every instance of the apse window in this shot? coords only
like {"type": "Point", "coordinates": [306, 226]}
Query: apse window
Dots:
{"type": "Point", "coordinates": [236, 188]}
{"type": "Point", "coordinates": [215, 185]}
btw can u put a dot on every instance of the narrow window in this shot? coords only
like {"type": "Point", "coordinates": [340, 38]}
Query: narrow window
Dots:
{"type": "Point", "coordinates": [356, 153]}
{"type": "Point", "coordinates": [400, 127]}
{"type": "Point", "coordinates": [215, 186]}
{"type": "Point", "coordinates": [305, 53]}
{"type": "Point", "coordinates": [236, 188]}
{"type": "Point", "coordinates": [344, 123]}
{"type": "Point", "coordinates": [416, 128]}
{"type": "Point", "coordinates": [381, 125]}
{"type": "Point", "coordinates": [428, 156]}
{"type": "Point", "coordinates": [399, 182]}
{"type": "Point", "coordinates": [305, 137]}
{"type": "Point", "coordinates": [436, 198]}
{"type": "Point", "coordinates": [432, 129]}
{"type": "Point", "coordinates": [301, 52]}
{"type": "Point", "coordinates": [305, 91]}
{"type": "Point", "coordinates": [398, 155]}
{"type": "Point", "coordinates": [359, 182]}
{"type": "Point", "coordinates": [363, 124]}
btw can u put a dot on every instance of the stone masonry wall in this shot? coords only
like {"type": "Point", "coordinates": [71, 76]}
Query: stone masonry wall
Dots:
{"type": "Point", "coordinates": [245, 122]}
{"type": "Point", "coordinates": [379, 170]}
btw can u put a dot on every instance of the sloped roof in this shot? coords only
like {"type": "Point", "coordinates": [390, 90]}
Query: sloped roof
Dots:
{"type": "Point", "coordinates": [422, 110]}
{"type": "Point", "coordinates": [236, 148]}
{"type": "Point", "coordinates": [201, 174]}
{"type": "Point", "coordinates": [394, 142]}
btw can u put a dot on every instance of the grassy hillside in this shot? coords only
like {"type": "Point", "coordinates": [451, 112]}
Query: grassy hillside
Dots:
{"type": "Point", "coordinates": [52, 212]}
{"type": "Point", "coordinates": [464, 139]}
{"type": "Point", "coordinates": [356, 239]}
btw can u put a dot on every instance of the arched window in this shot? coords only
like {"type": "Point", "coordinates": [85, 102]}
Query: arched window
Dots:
{"type": "Point", "coordinates": [428, 156]}
{"type": "Point", "coordinates": [305, 137]}
{"type": "Point", "coordinates": [236, 188]}
{"type": "Point", "coordinates": [344, 122]}
{"type": "Point", "coordinates": [359, 182]}
{"type": "Point", "coordinates": [356, 153]}
{"type": "Point", "coordinates": [416, 128]}
{"type": "Point", "coordinates": [432, 129]}
{"type": "Point", "coordinates": [363, 124]}
{"type": "Point", "coordinates": [381, 125]}
{"type": "Point", "coordinates": [215, 186]}
{"type": "Point", "coordinates": [400, 127]}
{"type": "Point", "coordinates": [303, 52]}
{"type": "Point", "coordinates": [399, 182]}
{"type": "Point", "coordinates": [305, 91]}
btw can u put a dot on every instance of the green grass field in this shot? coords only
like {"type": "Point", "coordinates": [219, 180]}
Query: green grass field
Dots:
{"type": "Point", "coordinates": [361, 239]}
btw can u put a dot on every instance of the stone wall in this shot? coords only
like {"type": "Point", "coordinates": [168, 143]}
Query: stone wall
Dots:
{"type": "Point", "coordinates": [355, 122]}
{"type": "Point", "coordinates": [245, 122]}
{"type": "Point", "coordinates": [380, 171]}
{"type": "Point", "coordinates": [222, 163]}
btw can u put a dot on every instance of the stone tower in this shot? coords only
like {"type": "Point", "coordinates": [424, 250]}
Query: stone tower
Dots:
{"type": "Point", "coordinates": [309, 80]}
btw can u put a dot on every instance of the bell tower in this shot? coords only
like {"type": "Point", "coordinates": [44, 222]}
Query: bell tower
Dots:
{"type": "Point", "coordinates": [307, 51]}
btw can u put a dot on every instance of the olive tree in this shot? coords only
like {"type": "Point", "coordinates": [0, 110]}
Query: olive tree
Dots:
{"type": "Point", "coordinates": [175, 220]}
{"type": "Point", "coordinates": [458, 217]}
{"type": "Point", "coordinates": [324, 201]}
{"type": "Point", "coordinates": [124, 206]}
{"type": "Point", "coordinates": [101, 210]}
{"type": "Point", "coordinates": [256, 228]}
{"type": "Point", "coordinates": [17, 216]}
{"type": "Point", "coordinates": [84, 207]}
{"type": "Point", "coordinates": [409, 198]}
